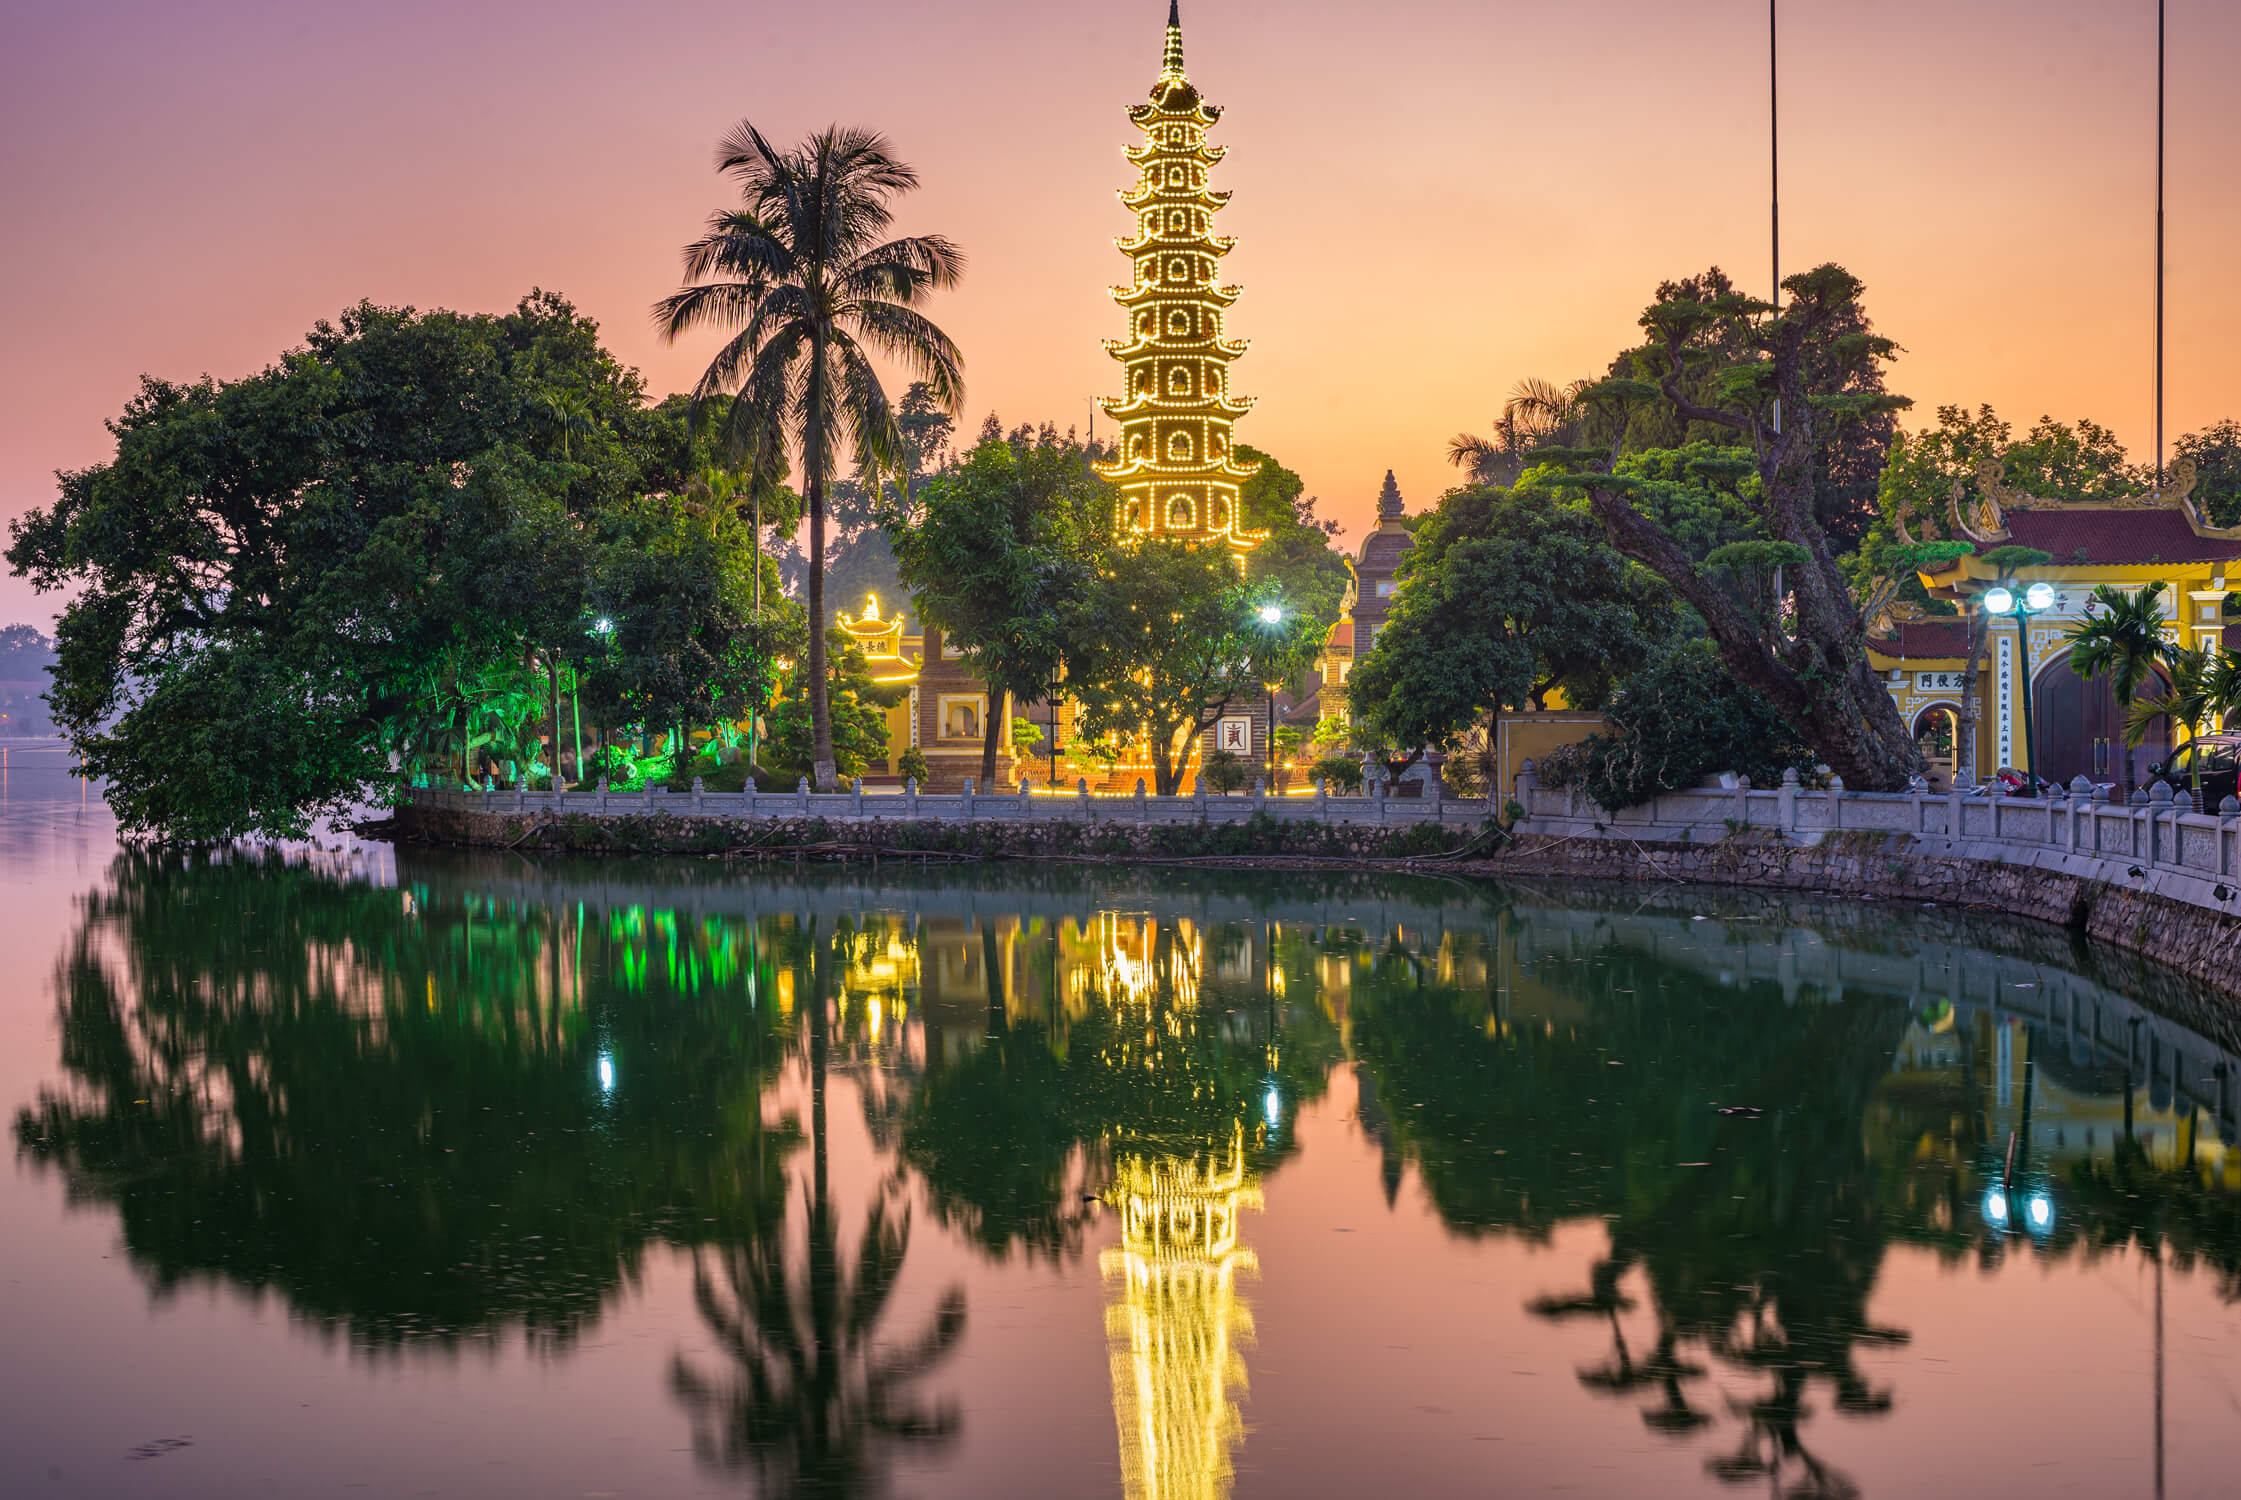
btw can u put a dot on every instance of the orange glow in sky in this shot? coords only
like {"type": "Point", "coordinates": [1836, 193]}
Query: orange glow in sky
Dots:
{"type": "Point", "coordinates": [1433, 198]}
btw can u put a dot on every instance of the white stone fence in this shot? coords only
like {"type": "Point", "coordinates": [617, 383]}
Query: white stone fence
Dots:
{"type": "Point", "coordinates": [1025, 805]}
{"type": "Point", "coordinates": [2159, 835]}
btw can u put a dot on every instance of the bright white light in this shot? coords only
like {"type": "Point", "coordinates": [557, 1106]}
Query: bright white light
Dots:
{"type": "Point", "coordinates": [1999, 601]}
{"type": "Point", "coordinates": [1272, 614]}
{"type": "Point", "coordinates": [2039, 595]}
{"type": "Point", "coordinates": [1273, 1106]}
{"type": "Point", "coordinates": [1996, 1208]}
{"type": "Point", "coordinates": [606, 1074]}
{"type": "Point", "coordinates": [604, 625]}
{"type": "Point", "coordinates": [2041, 1210]}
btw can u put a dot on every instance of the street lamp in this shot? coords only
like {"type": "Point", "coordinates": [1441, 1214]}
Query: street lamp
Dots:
{"type": "Point", "coordinates": [1272, 615]}
{"type": "Point", "coordinates": [2037, 599]}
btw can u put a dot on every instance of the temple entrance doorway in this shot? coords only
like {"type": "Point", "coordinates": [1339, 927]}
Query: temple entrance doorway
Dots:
{"type": "Point", "coordinates": [1937, 734]}
{"type": "Point", "coordinates": [2079, 729]}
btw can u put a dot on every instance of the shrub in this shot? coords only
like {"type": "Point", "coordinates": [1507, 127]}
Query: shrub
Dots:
{"type": "Point", "coordinates": [1224, 771]}
{"type": "Point", "coordinates": [1338, 773]}
{"type": "Point", "coordinates": [1677, 718]}
{"type": "Point", "coordinates": [912, 763]}
{"type": "Point", "coordinates": [1564, 766]}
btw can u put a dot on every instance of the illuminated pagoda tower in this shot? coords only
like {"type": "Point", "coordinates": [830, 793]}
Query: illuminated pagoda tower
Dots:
{"type": "Point", "coordinates": [1176, 1320]}
{"type": "Point", "coordinates": [1175, 468]}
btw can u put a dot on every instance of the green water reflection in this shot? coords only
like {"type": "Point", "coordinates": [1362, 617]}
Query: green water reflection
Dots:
{"type": "Point", "coordinates": [469, 1105]}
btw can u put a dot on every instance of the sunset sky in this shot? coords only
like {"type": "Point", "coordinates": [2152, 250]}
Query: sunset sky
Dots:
{"type": "Point", "coordinates": [1433, 198]}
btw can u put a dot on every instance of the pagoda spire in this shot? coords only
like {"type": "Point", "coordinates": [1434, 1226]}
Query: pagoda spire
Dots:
{"type": "Point", "coordinates": [1175, 465]}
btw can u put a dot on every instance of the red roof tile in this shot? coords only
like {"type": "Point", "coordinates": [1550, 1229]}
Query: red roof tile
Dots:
{"type": "Point", "coordinates": [1919, 638]}
{"type": "Point", "coordinates": [2115, 536]}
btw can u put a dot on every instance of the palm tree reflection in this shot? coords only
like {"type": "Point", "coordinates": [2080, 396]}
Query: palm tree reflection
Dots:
{"type": "Point", "coordinates": [813, 1403]}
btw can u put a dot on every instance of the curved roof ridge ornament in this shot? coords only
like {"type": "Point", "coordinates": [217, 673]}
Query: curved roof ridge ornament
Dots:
{"type": "Point", "coordinates": [1984, 524]}
{"type": "Point", "coordinates": [2178, 491]}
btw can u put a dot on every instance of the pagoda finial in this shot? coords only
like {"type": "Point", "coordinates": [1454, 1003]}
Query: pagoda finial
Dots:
{"type": "Point", "coordinates": [1171, 65]}
{"type": "Point", "coordinates": [1389, 499]}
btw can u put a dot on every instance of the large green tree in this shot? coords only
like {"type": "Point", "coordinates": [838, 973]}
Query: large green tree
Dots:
{"type": "Point", "coordinates": [1168, 636]}
{"type": "Point", "coordinates": [998, 553]}
{"type": "Point", "coordinates": [1778, 383]}
{"type": "Point", "coordinates": [1508, 594]}
{"type": "Point", "coordinates": [804, 274]}
{"type": "Point", "coordinates": [1296, 560]}
{"type": "Point", "coordinates": [271, 572]}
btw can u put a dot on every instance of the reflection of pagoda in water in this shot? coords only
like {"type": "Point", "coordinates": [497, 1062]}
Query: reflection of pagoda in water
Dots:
{"type": "Point", "coordinates": [1177, 1321]}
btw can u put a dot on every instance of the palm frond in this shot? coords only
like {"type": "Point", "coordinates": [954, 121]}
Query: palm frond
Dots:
{"type": "Point", "coordinates": [909, 339]}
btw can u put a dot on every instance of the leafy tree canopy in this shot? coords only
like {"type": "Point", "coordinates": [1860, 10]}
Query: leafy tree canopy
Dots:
{"type": "Point", "coordinates": [1508, 594]}
{"type": "Point", "coordinates": [997, 553]}
{"type": "Point", "coordinates": [1297, 560]}
{"type": "Point", "coordinates": [1167, 636]}
{"type": "Point", "coordinates": [273, 572]}
{"type": "Point", "coordinates": [1789, 386]}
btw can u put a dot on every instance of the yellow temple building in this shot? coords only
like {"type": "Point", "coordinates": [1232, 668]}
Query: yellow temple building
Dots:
{"type": "Point", "coordinates": [1935, 668]}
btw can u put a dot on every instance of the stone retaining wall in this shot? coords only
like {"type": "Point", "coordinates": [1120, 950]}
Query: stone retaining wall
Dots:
{"type": "Point", "coordinates": [2199, 938]}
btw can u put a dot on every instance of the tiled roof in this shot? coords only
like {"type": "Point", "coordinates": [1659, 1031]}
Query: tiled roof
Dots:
{"type": "Point", "coordinates": [1927, 638]}
{"type": "Point", "coordinates": [2074, 533]}
{"type": "Point", "coordinates": [1341, 637]}
{"type": "Point", "coordinates": [1382, 551]}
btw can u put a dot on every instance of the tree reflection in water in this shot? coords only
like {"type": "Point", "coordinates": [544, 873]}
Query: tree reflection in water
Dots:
{"type": "Point", "coordinates": [469, 1106]}
{"type": "Point", "coordinates": [1579, 1072]}
{"type": "Point", "coordinates": [420, 1115]}
{"type": "Point", "coordinates": [813, 1404]}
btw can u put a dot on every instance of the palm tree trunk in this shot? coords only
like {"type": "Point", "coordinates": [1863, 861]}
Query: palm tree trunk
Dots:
{"type": "Point", "coordinates": [823, 771]}
{"type": "Point", "coordinates": [762, 666]}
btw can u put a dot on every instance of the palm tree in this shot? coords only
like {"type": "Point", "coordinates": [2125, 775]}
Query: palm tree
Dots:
{"type": "Point", "coordinates": [802, 272]}
{"type": "Point", "coordinates": [2203, 685]}
{"type": "Point", "coordinates": [2124, 639]}
{"type": "Point", "coordinates": [1538, 414]}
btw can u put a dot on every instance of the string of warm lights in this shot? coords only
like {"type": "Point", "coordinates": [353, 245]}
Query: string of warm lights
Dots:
{"type": "Point", "coordinates": [1176, 466]}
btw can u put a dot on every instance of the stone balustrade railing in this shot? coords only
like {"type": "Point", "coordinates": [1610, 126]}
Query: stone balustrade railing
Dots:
{"type": "Point", "coordinates": [2158, 834]}
{"type": "Point", "coordinates": [1026, 804]}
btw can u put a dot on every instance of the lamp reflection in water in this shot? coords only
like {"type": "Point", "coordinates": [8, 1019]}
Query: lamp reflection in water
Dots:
{"type": "Point", "coordinates": [1177, 1323]}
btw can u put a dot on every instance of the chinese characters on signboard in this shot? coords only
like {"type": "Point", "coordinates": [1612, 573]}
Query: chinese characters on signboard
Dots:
{"type": "Point", "coordinates": [1234, 735]}
{"type": "Point", "coordinates": [1937, 682]}
{"type": "Point", "coordinates": [2007, 690]}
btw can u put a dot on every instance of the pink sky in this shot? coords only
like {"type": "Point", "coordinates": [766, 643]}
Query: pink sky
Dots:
{"type": "Point", "coordinates": [1433, 199]}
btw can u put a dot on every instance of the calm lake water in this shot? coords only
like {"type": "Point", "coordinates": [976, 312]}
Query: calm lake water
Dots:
{"type": "Point", "coordinates": [390, 1172]}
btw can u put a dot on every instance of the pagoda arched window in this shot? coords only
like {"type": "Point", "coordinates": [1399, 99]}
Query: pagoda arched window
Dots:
{"type": "Point", "coordinates": [1175, 221]}
{"type": "Point", "coordinates": [1217, 512]}
{"type": "Point", "coordinates": [1179, 447]}
{"type": "Point", "coordinates": [1140, 446]}
{"type": "Point", "coordinates": [1176, 270]}
{"type": "Point", "coordinates": [1179, 323]}
{"type": "Point", "coordinates": [1144, 323]}
{"type": "Point", "coordinates": [1143, 382]}
{"type": "Point", "coordinates": [1179, 381]}
{"type": "Point", "coordinates": [1179, 516]}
